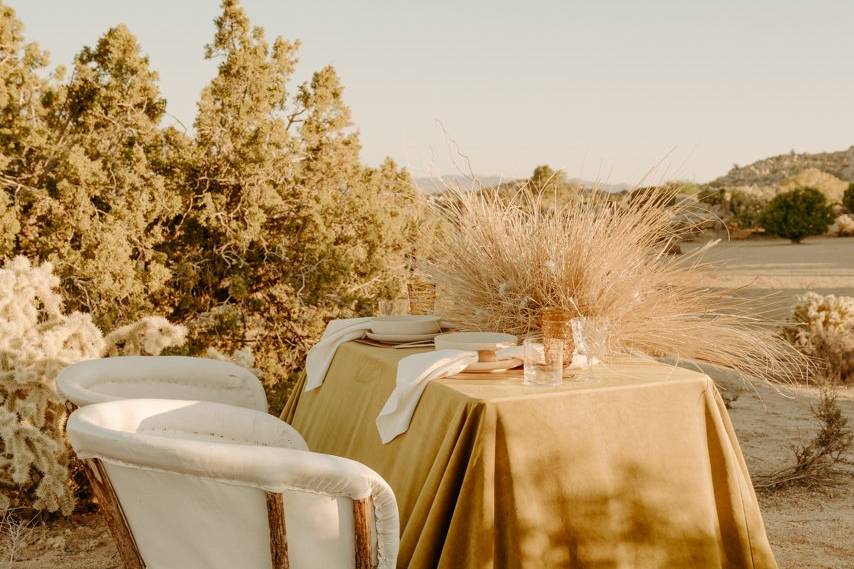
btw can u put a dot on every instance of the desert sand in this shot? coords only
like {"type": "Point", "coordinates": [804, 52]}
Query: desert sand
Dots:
{"type": "Point", "coordinates": [775, 272]}
{"type": "Point", "coordinates": [808, 529]}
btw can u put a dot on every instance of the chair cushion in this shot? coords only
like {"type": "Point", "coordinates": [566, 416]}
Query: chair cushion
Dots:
{"type": "Point", "coordinates": [171, 461]}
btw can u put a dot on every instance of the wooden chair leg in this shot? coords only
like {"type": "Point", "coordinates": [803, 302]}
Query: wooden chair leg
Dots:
{"type": "Point", "coordinates": [278, 532]}
{"type": "Point", "coordinates": [361, 523]}
{"type": "Point", "coordinates": [112, 511]}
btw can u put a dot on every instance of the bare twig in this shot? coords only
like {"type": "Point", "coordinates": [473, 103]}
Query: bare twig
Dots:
{"type": "Point", "coordinates": [816, 463]}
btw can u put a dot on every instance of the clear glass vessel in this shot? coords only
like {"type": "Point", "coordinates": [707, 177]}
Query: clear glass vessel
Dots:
{"type": "Point", "coordinates": [543, 360]}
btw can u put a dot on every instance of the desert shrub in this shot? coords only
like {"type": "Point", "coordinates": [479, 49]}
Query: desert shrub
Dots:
{"type": "Point", "coordinates": [252, 232]}
{"type": "Point", "coordinates": [640, 197]}
{"type": "Point", "coordinates": [16, 533]}
{"type": "Point", "coordinates": [283, 227]}
{"type": "Point", "coordinates": [746, 208]}
{"type": "Point", "coordinates": [544, 177]}
{"type": "Point", "coordinates": [37, 339]}
{"type": "Point", "coordinates": [740, 207]}
{"type": "Point", "coordinates": [711, 196]}
{"type": "Point", "coordinates": [848, 198]}
{"type": "Point", "coordinates": [827, 184]}
{"type": "Point", "coordinates": [822, 327]}
{"type": "Point", "coordinates": [817, 462]}
{"type": "Point", "coordinates": [797, 214]}
{"type": "Point", "coordinates": [85, 176]}
{"type": "Point", "coordinates": [842, 226]}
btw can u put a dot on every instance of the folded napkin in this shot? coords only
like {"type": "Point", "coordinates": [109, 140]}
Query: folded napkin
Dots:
{"type": "Point", "coordinates": [320, 355]}
{"type": "Point", "coordinates": [413, 374]}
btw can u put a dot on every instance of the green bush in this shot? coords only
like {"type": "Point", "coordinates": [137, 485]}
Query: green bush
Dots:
{"type": "Point", "coordinates": [848, 198]}
{"type": "Point", "coordinates": [747, 209]}
{"type": "Point", "coordinates": [797, 214]}
{"type": "Point", "coordinates": [252, 230]}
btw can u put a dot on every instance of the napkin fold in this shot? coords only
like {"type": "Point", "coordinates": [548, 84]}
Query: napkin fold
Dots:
{"type": "Point", "coordinates": [320, 355]}
{"type": "Point", "coordinates": [414, 373]}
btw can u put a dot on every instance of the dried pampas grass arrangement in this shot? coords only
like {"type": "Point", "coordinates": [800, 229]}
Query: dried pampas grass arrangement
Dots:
{"type": "Point", "coordinates": [503, 257]}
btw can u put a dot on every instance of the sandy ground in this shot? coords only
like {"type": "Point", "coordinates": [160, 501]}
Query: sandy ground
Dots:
{"type": "Point", "coordinates": [775, 271]}
{"type": "Point", "coordinates": [807, 529]}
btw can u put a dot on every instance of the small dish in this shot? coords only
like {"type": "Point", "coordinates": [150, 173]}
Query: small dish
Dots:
{"type": "Point", "coordinates": [489, 367]}
{"type": "Point", "coordinates": [475, 341]}
{"type": "Point", "coordinates": [400, 338]}
{"type": "Point", "coordinates": [484, 343]}
{"type": "Point", "coordinates": [405, 324]}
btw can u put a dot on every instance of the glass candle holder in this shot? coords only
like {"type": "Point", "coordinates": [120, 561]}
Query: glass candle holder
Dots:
{"type": "Point", "coordinates": [543, 360]}
{"type": "Point", "coordinates": [422, 297]}
{"type": "Point", "coordinates": [556, 323]}
{"type": "Point", "coordinates": [592, 337]}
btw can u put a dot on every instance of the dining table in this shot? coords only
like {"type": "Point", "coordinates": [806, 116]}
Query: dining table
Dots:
{"type": "Point", "coordinates": [635, 467]}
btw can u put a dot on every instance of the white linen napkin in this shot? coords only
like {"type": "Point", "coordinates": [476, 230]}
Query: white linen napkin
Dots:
{"type": "Point", "coordinates": [413, 374]}
{"type": "Point", "coordinates": [320, 355]}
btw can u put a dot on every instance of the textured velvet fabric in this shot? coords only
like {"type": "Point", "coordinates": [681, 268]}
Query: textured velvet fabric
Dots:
{"type": "Point", "coordinates": [639, 468]}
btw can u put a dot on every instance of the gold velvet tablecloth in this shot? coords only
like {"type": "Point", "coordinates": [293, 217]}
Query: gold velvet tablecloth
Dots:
{"type": "Point", "coordinates": [637, 468]}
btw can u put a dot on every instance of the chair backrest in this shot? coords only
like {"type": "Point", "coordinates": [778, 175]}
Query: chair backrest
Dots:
{"type": "Point", "coordinates": [204, 485]}
{"type": "Point", "coordinates": [161, 377]}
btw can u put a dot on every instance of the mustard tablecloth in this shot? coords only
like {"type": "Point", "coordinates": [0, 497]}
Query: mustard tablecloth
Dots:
{"type": "Point", "coordinates": [639, 468]}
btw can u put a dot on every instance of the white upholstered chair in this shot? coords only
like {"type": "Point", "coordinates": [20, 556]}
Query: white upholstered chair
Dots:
{"type": "Point", "coordinates": [201, 485]}
{"type": "Point", "coordinates": [161, 377]}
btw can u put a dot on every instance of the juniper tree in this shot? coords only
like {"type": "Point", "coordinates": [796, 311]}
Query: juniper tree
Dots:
{"type": "Point", "coordinates": [85, 179]}
{"type": "Point", "coordinates": [284, 226]}
{"type": "Point", "coordinates": [23, 129]}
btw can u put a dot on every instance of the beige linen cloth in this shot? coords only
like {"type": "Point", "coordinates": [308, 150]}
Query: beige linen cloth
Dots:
{"type": "Point", "coordinates": [414, 374]}
{"type": "Point", "coordinates": [639, 468]}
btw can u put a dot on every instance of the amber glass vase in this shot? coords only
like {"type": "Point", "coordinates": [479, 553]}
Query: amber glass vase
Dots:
{"type": "Point", "coordinates": [422, 297]}
{"type": "Point", "coordinates": [556, 323]}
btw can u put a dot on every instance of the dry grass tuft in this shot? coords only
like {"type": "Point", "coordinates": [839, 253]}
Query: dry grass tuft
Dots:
{"type": "Point", "coordinates": [816, 463]}
{"type": "Point", "coordinates": [501, 258]}
{"type": "Point", "coordinates": [15, 534]}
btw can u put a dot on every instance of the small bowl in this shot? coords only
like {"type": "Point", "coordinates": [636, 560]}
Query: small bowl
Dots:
{"type": "Point", "coordinates": [405, 324]}
{"type": "Point", "coordinates": [484, 343]}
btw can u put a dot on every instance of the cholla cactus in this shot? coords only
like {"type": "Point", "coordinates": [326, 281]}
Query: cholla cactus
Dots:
{"type": "Point", "coordinates": [37, 340]}
{"type": "Point", "coordinates": [148, 336]}
{"type": "Point", "coordinates": [843, 226]}
{"type": "Point", "coordinates": [823, 327]}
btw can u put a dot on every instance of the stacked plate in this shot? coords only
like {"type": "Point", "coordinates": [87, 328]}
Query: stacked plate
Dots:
{"type": "Point", "coordinates": [404, 329]}
{"type": "Point", "coordinates": [486, 344]}
{"type": "Point", "coordinates": [423, 330]}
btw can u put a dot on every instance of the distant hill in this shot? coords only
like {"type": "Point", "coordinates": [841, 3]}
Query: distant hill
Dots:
{"type": "Point", "coordinates": [431, 185]}
{"type": "Point", "coordinates": [601, 186]}
{"type": "Point", "coordinates": [772, 171]}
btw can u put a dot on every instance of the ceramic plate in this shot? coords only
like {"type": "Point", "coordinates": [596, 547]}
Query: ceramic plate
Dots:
{"type": "Point", "coordinates": [476, 341]}
{"type": "Point", "coordinates": [485, 367]}
{"type": "Point", "coordinates": [400, 338]}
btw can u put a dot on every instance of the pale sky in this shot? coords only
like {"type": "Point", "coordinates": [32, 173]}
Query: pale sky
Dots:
{"type": "Point", "coordinates": [604, 89]}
